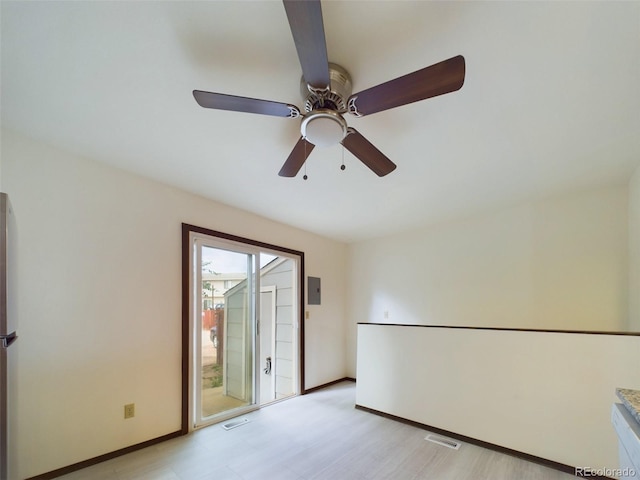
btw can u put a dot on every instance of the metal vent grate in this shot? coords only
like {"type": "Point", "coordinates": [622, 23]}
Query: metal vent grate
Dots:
{"type": "Point", "coordinates": [445, 442]}
{"type": "Point", "coordinates": [237, 423]}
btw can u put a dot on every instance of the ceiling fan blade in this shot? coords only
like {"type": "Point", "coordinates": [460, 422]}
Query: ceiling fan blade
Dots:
{"type": "Point", "coordinates": [220, 101]}
{"type": "Point", "coordinates": [438, 79]}
{"type": "Point", "coordinates": [305, 21]}
{"type": "Point", "coordinates": [367, 153]}
{"type": "Point", "coordinates": [296, 159]}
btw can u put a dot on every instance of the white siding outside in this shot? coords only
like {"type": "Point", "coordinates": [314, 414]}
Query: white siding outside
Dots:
{"type": "Point", "coordinates": [281, 275]}
{"type": "Point", "coordinates": [236, 341]}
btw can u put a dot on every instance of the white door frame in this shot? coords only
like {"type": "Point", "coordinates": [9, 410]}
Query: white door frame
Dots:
{"type": "Point", "coordinates": [197, 241]}
{"type": "Point", "coordinates": [194, 307]}
{"type": "Point", "coordinates": [272, 384]}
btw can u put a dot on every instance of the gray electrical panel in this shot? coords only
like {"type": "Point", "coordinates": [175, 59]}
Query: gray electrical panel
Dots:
{"type": "Point", "coordinates": [313, 284]}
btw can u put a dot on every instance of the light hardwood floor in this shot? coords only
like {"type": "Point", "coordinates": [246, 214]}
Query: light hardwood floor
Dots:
{"type": "Point", "coordinates": [316, 436]}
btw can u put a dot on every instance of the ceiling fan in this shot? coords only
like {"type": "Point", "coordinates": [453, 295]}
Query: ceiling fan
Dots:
{"type": "Point", "coordinates": [326, 90]}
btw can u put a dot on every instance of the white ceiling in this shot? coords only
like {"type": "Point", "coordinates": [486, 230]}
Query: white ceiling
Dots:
{"type": "Point", "coordinates": [551, 101]}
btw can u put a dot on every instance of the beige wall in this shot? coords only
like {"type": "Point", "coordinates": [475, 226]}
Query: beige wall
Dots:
{"type": "Point", "coordinates": [545, 394]}
{"type": "Point", "coordinates": [98, 330]}
{"type": "Point", "coordinates": [561, 263]}
{"type": "Point", "coordinates": [99, 297]}
{"type": "Point", "coordinates": [634, 251]}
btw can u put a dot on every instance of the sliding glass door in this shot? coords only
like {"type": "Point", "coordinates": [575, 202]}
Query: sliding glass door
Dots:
{"type": "Point", "coordinates": [244, 310]}
{"type": "Point", "coordinates": [223, 330]}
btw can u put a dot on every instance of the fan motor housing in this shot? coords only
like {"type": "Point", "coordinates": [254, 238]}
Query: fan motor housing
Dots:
{"type": "Point", "coordinates": [335, 98]}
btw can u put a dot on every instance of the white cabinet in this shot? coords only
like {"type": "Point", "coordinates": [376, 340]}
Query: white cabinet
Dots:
{"type": "Point", "coordinates": [628, 431]}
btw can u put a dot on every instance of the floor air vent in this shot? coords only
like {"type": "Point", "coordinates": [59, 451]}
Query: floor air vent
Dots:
{"type": "Point", "coordinates": [446, 442]}
{"type": "Point", "coordinates": [237, 423]}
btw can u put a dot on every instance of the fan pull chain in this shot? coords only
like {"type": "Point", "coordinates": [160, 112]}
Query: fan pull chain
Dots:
{"type": "Point", "coordinates": [304, 177]}
{"type": "Point", "coordinates": [342, 167]}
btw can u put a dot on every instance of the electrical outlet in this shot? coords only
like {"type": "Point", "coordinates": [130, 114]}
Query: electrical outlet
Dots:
{"type": "Point", "coordinates": [129, 410]}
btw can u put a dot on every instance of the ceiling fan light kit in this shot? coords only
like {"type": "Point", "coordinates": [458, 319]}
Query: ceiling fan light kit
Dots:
{"type": "Point", "coordinates": [323, 127]}
{"type": "Point", "coordinates": [326, 91]}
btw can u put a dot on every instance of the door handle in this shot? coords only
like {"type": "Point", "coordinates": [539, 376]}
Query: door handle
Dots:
{"type": "Point", "coordinates": [267, 369]}
{"type": "Point", "coordinates": [6, 340]}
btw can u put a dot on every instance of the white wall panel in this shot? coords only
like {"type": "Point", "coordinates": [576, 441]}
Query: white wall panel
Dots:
{"type": "Point", "coordinates": [634, 251]}
{"type": "Point", "coordinates": [558, 263]}
{"type": "Point", "coordinates": [544, 394]}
